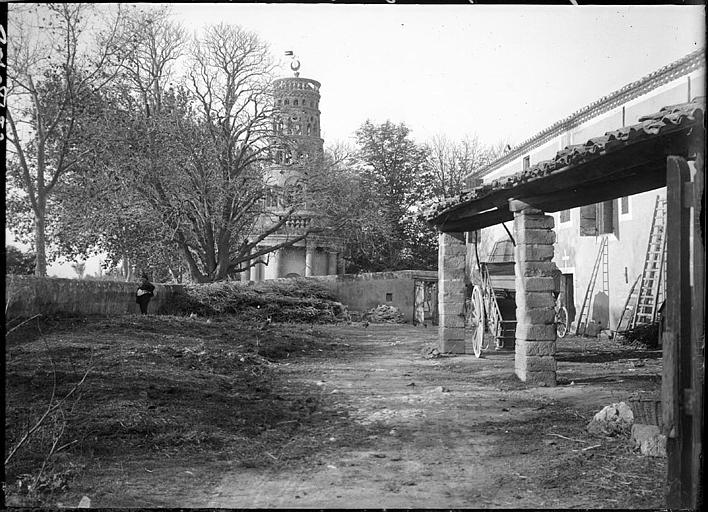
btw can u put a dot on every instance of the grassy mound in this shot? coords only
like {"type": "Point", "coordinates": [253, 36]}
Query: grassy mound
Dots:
{"type": "Point", "coordinates": [295, 300]}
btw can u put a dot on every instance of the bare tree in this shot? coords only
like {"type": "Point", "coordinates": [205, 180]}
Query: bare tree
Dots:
{"type": "Point", "coordinates": [54, 72]}
{"type": "Point", "coordinates": [201, 163]}
{"type": "Point", "coordinates": [451, 162]}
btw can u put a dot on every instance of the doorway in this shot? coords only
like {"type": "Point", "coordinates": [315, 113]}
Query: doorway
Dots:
{"type": "Point", "coordinates": [425, 303]}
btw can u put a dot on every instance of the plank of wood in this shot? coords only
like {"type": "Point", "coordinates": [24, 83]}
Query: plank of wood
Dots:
{"type": "Point", "coordinates": [698, 326]}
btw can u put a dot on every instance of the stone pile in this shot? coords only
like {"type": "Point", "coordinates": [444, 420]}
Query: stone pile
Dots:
{"type": "Point", "coordinates": [385, 314]}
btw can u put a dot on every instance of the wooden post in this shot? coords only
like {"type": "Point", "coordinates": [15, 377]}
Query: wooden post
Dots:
{"type": "Point", "coordinates": [698, 330]}
{"type": "Point", "coordinates": [676, 381]}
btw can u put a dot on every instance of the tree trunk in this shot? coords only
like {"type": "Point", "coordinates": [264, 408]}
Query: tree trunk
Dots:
{"type": "Point", "coordinates": [40, 269]}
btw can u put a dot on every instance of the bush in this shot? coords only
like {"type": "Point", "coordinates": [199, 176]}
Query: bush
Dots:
{"type": "Point", "coordinates": [296, 300]}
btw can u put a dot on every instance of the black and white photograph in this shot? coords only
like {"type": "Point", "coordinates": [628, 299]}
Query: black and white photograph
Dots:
{"type": "Point", "coordinates": [339, 255]}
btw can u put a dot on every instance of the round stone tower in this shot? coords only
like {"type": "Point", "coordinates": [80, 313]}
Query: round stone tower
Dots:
{"type": "Point", "coordinates": [297, 101]}
{"type": "Point", "coordinates": [296, 125]}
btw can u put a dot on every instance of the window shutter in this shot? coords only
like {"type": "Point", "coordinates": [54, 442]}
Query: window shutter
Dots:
{"type": "Point", "coordinates": [605, 216]}
{"type": "Point", "coordinates": [588, 218]}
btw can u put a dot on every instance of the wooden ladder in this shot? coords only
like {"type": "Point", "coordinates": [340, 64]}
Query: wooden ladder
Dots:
{"type": "Point", "coordinates": [653, 275]}
{"type": "Point", "coordinates": [601, 262]}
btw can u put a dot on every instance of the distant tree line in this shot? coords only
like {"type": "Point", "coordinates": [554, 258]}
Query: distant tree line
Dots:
{"type": "Point", "coordinates": [132, 139]}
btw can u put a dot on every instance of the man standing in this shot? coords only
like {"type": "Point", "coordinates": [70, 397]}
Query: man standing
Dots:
{"type": "Point", "coordinates": [144, 294]}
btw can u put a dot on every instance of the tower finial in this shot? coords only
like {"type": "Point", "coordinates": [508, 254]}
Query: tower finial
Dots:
{"type": "Point", "coordinates": [295, 63]}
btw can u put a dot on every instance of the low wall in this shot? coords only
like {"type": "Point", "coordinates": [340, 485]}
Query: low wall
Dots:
{"type": "Point", "coordinates": [30, 295]}
{"type": "Point", "coordinates": [362, 292]}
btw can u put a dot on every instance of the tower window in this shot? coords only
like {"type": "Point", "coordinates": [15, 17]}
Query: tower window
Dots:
{"type": "Point", "coordinates": [295, 102]}
{"type": "Point", "coordinates": [287, 102]}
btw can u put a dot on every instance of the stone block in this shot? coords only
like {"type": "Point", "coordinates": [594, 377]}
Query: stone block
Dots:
{"type": "Point", "coordinates": [451, 307]}
{"type": "Point", "coordinates": [525, 348]}
{"type": "Point", "coordinates": [535, 284]}
{"type": "Point", "coordinates": [536, 221]}
{"type": "Point", "coordinates": [451, 345]}
{"type": "Point", "coordinates": [536, 332]}
{"type": "Point", "coordinates": [453, 292]}
{"type": "Point", "coordinates": [451, 274]}
{"type": "Point", "coordinates": [539, 378]}
{"type": "Point", "coordinates": [451, 320]}
{"type": "Point", "coordinates": [452, 261]}
{"type": "Point", "coordinates": [533, 252]}
{"type": "Point", "coordinates": [530, 300]}
{"type": "Point", "coordinates": [649, 440]}
{"type": "Point", "coordinates": [535, 315]}
{"type": "Point", "coordinates": [535, 236]}
{"type": "Point", "coordinates": [535, 363]}
{"type": "Point", "coordinates": [520, 208]}
{"type": "Point", "coordinates": [450, 333]}
{"type": "Point", "coordinates": [536, 269]}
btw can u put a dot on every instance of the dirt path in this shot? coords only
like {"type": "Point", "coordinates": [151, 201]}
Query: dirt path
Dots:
{"type": "Point", "coordinates": [453, 432]}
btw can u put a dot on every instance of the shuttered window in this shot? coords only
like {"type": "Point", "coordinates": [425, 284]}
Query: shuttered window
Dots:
{"type": "Point", "coordinates": [565, 216]}
{"type": "Point", "coordinates": [597, 219]}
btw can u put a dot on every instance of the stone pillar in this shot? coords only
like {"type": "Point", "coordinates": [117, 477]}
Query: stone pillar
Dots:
{"type": "Point", "coordinates": [341, 267]}
{"type": "Point", "coordinates": [535, 349]}
{"type": "Point", "coordinates": [332, 263]}
{"type": "Point", "coordinates": [274, 263]}
{"type": "Point", "coordinates": [309, 255]}
{"type": "Point", "coordinates": [451, 293]}
{"type": "Point", "coordinates": [260, 267]}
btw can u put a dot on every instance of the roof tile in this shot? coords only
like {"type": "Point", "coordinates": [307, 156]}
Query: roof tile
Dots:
{"type": "Point", "coordinates": [667, 119]}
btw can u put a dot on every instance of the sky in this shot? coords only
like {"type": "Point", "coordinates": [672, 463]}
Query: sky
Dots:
{"type": "Point", "coordinates": [501, 73]}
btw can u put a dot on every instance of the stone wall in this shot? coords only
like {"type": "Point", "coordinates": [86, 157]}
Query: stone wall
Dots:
{"type": "Point", "coordinates": [362, 292]}
{"type": "Point", "coordinates": [30, 295]}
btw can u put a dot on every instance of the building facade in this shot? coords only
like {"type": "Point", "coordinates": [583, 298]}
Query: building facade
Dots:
{"type": "Point", "coordinates": [624, 223]}
{"type": "Point", "coordinates": [297, 125]}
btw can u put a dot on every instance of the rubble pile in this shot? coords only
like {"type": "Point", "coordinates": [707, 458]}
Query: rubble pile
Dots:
{"type": "Point", "coordinates": [384, 314]}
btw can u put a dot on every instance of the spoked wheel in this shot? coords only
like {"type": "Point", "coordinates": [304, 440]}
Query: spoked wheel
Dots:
{"type": "Point", "coordinates": [475, 320]}
{"type": "Point", "coordinates": [561, 322]}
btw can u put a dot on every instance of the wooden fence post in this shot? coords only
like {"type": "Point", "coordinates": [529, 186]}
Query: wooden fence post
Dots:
{"type": "Point", "coordinates": [677, 347]}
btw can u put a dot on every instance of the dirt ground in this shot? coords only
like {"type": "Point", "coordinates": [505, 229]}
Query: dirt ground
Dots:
{"type": "Point", "coordinates": [461, 431]}
{"type": "Point", "coordinates": [363, 419]}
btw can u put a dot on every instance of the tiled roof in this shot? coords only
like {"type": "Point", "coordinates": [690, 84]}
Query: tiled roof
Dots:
{"type": "Point", "coordinates": [669, 119]}
{"type": "Point", "coordinates": [630, 91]}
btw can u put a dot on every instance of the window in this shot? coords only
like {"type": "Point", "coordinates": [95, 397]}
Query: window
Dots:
{"type": "Point", "coordinates": [564, 216]}
{"type": "Point", "coordinates": [624, 205]}
{"type": "Point", "coordinates": [527, 162]}
{"type": "Point", "coordinates": [286, 102]}
{"type": "Point", "coordinates": [597, 219]}
{"type": "Point", "coordinates": [295, 102]}
{"type": "Point", "coordinates": [389, 297]}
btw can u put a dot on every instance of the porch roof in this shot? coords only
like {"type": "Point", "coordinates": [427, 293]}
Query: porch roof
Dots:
{"type": "Point", "coordinates": [626, 161]}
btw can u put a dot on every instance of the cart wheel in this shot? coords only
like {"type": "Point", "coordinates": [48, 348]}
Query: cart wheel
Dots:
{"type": "Point", "coordinates": [475, 320]}
{"type": "Point", "coordinates": [561, 322]}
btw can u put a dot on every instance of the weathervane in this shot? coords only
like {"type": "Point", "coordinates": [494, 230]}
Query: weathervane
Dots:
{"type": "Point", "coordinates": [295, 64]}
